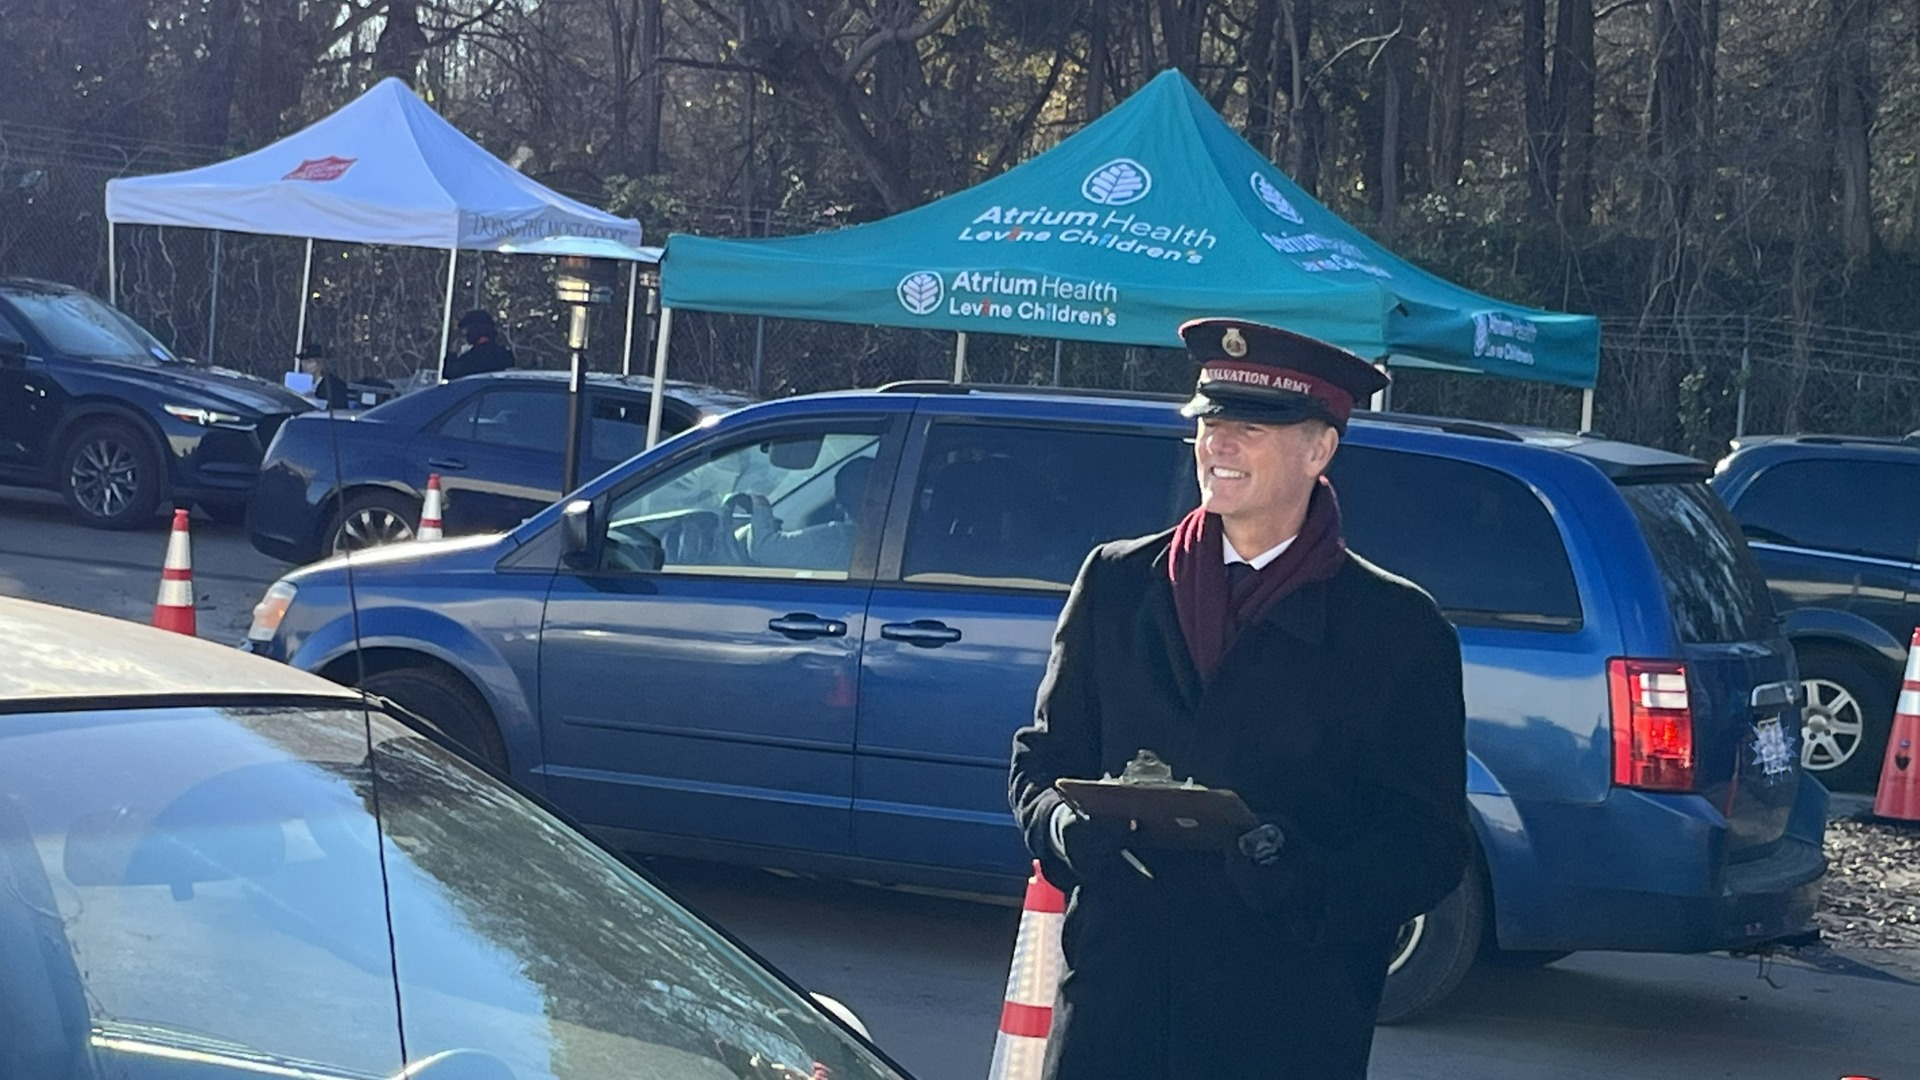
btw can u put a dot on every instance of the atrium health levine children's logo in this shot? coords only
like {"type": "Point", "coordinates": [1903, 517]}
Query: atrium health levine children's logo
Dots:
{"type": "Point", "coordinates": [920, 292]}
{"type": "Point", "coordinates": [1275, 200]}
{"type": "Point", "coordinates": [1117, 183]}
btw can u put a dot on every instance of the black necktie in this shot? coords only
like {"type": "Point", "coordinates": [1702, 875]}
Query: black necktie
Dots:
{"type": "Point", "coordinates": [1237, 572]}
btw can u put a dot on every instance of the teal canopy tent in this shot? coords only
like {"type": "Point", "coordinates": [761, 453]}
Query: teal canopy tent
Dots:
{"type": "Point", "coordinates": [1155, 213]}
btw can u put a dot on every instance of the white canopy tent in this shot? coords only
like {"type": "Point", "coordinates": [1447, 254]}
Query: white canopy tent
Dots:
{"type": "Point", "coordinates": [384, 169]}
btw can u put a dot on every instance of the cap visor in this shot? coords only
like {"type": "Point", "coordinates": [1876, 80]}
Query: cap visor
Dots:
{"type": "Point", "coordinates": [1265, 409]}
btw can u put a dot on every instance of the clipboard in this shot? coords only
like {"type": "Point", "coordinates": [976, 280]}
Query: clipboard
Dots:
{"type": "Point", "coordinates": [1166, 815]}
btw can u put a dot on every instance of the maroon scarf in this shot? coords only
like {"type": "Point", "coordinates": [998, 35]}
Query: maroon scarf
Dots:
{"type": "Point", "coordinates": [1210, 618]}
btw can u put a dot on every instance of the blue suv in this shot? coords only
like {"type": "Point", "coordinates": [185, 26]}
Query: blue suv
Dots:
{"type": "Point", "coordinates": [803, 637]}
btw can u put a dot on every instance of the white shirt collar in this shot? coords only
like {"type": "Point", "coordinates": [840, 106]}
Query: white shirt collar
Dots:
{"type": "Point", "coordinates": [1258, 562]}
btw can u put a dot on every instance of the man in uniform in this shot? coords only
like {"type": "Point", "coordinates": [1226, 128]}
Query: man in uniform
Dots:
{"type": "Point", "coordinates": [1321, 689]}
{"type": "Point", "coordinates": [482, 353]}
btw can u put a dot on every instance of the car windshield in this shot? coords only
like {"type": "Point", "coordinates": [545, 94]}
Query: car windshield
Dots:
{"type": "Point", "coordinates": [250, 883]}
{"type": "Point", "coordinates": [80, 326]}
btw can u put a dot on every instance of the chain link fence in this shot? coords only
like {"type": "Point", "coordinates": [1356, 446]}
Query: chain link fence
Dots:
{"type": "Point", "coordinates": [1688, 384]}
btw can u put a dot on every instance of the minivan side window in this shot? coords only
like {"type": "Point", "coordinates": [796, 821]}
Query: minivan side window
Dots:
{"type": "Point", "coordinates": [788, 506]}
{"type": "Point", "coordinates": [1481, 542]}
{"type": "Point", "coordinates": [1867, 508]}
{"type": "Point", "coordinates": [1020, 507]}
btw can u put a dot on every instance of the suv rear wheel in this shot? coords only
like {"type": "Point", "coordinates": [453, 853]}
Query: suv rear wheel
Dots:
{"type": "Point", "coordinates": [110, 475]}
{"type": "Point", "coordinates": [1848, 714]}
{"type": "Point", "coordinates": [1433, 952]}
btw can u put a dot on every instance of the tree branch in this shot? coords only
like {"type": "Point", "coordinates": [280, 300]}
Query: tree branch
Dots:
{"type": "Point", "coordinates": [880, 39]}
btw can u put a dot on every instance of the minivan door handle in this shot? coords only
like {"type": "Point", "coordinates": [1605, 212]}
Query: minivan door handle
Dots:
{"type": "Point", "coordinates": [925, 633]}
{"type": "Point", "coordinates": [446, 463]}
{"type": "Point", "coordinates": [1775, 695]}
{"type": "Point", "coordinates": [802, 624]}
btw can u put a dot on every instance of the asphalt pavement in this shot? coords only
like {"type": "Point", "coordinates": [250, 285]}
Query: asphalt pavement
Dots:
{"type": "Point", "coordinates": [927, 974]}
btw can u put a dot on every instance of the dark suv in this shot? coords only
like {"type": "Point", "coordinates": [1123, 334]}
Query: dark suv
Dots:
{"type": "Point", "coordinates": [93, 407]}
{"type": "Point", "coordinates": [803, 637]}
{"type": "Point", "coordinates": [1835, 523]}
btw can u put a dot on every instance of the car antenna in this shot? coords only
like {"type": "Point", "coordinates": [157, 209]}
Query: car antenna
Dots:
{"type": "Point", "coordinates": [373, 769]}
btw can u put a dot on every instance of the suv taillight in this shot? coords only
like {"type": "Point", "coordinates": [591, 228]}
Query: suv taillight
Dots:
{"type": "Point", "coordinates": [1652, 725]}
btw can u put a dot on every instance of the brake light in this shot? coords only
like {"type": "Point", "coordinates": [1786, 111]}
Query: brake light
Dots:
{"type": "Point", "coordinates": [1652, 725]}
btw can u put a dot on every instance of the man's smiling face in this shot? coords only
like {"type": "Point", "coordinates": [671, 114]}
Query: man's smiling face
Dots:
{"type": "Point", "coordinates": [1258, 477]}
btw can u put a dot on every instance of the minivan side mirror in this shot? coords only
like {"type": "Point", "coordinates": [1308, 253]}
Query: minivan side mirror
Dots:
{"type": "Point", "coordinates": [12, 350]}
{"type": "Point", "coordinates": [577, 534]}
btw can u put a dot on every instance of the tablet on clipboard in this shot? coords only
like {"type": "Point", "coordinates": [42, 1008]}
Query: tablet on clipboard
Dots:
{"type": "Point", "coordinates": [1166, 815]}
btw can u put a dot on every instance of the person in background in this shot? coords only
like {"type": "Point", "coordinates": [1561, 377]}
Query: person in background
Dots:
{"type": "Point", "coordinates": [328, 388]}
{"type": "Point", "coordinates": [483, 353]}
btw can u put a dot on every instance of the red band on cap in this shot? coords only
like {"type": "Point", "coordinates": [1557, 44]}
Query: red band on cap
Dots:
{"type": "Point", "coordinates": [1268, 377]}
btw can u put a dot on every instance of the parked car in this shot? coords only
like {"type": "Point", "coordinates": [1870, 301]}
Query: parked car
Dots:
{"type": "Point", "coordinates": [343, 481]}
{"type": "Point", "coordinates": [215, 866]}
{"type": "Point", "coordinates": [724, 649]}
{"type": "Point", "coordinates": [1835, 523]}
{"type": "Point", "coordinates": [93, 407]}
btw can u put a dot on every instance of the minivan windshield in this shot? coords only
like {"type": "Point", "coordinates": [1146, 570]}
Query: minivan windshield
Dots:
{"type": "Point", "coordinates": [1713, 585]}
{"type": "Point", "coordinates": [77, 325]}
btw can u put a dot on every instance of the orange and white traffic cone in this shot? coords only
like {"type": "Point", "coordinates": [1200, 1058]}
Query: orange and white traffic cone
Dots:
{"type": "Point", "coordinates": [430, 511]}
{"type": "Point", "coordinates": [173, 609]}
{"type": "Point", "coordinates": [1027, 1016]}
{"type": "Point", "coordinates": [1898, 796]}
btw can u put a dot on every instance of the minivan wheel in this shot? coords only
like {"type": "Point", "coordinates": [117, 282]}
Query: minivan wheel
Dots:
{"type": "Point", "coordinates": [371, 519]}
{"type": "Point", "coordinates": [1848, 714]}
{"type": "Point", "coordinates": [448, 703]}
{"type": "Point", "coordinates": [110, 476]}
{"type": "Point", "coordinates": [1433, 952]}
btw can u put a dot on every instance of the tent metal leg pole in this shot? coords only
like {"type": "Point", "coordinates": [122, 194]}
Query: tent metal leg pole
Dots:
{"type": "Point", "coordinates": [1586, 409]}
{"type": "Point", "coordinates": [759, 351]}
{"type": "Point", "coordinates": [1057, 343]}
{"type": "Point", "coordinates": [113, 268]}
{"type": "Point", "coordinates": [960, 357]}
{"type": "Point", "coordinates": [657, 406]}
{"type": "Point", "coordinates": [306, 290]}
{"type": "Point", "coordinates": [633, 295]}
{"type": "Point", "coordinates": [1382, 398]}
{"type": "Point", "coordinates": [213, 301]}
{"type": "Point", "coordinates": [446, 320]}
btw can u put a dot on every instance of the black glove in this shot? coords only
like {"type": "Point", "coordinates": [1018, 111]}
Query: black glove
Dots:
{"type": "Point", "coordinates": [1262, 844]}
{"type": "Point", "coordinates": [1086, 842]}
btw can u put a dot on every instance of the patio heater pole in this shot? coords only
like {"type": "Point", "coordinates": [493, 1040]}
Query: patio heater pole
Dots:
{"type": "Point", "coordinates": [581, 283]}
{"type": "Point", "coordinates": [446, 320]}
{"type": "Point", "coordinates": [657, 406]}
{"type": "Point", "coordinates": [633, 293]}
{"type": "Point", "coordinates": [960, 357]}
{"type": "Point", "coordinates": [213, 301]}
{"type": "Point", "coordinates": [306, 289]}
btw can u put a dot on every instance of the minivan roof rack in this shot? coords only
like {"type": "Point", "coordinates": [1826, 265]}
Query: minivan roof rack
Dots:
{"type": "Point", "coordinates": [941, 386]}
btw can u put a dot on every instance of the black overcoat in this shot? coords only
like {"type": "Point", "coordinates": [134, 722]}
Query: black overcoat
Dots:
{"type": "Point", "coordinates": [1337, 716]}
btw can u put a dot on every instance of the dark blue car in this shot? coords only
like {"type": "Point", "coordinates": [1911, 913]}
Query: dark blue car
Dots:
{"type": "Point", "coordinates": [93, 407]}
{"type": "Point", "coordinates": [342, 481]}
{"type": "Point", "coordinates": [803, 637]}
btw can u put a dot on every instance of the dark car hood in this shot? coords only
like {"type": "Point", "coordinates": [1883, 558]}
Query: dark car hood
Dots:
{"type": "Point", "coordinates": [210, 385]}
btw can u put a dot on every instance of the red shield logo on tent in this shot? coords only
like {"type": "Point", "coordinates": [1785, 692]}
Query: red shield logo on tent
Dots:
{"type": "Point", "coordinates": [321, 169]}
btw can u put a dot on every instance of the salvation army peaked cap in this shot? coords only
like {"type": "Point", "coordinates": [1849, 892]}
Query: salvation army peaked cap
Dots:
{"type": "Point", "coordinates": [1264, 374]}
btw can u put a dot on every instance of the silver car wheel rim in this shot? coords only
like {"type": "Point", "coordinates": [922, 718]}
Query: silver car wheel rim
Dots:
{"type": "Point", "coordinates": [370, 526]}
{"type": "Point", "coordinates": [105, 477]}
{"type": "Point", "coordinates": [1830, 732]}
{"type": "Point", "coordinates": [1407, 941]}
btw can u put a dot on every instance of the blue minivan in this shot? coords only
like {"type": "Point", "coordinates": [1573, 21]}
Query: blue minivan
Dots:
{"type": "Point", "coordinates": [802, 637]}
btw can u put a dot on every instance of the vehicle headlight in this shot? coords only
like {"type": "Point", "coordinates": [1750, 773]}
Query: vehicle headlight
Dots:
{"type": "Point", "coordinates": [194, 414]}
{"type": "Point", "coordinates": [271, 609]}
